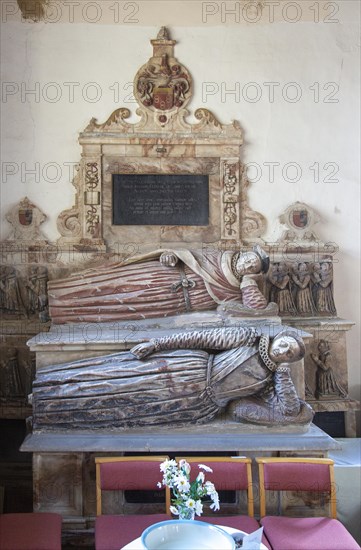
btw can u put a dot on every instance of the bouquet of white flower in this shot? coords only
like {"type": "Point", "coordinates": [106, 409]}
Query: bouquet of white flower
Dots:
{"type": "Point", "coordinates": [187, 495]}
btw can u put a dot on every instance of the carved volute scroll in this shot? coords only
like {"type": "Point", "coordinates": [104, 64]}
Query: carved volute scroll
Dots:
{"type": "Point", "coordinates": [252, 223]}
{"type": "Point", "coordinates": [161, 142]}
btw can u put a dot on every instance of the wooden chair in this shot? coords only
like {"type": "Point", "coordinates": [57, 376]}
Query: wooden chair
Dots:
{"type": "Point", "coordinates": [229, 474]}
{"type": "Point", "coordinates": [30, 531]}
{"type": "Point", "coordinates": [135, 473]}
{"type": "Point", "coordinates": [308, 475]}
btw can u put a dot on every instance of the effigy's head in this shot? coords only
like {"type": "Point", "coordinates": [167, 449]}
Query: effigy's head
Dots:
{"type": "Point", "coordinates": [287, 347]}
{"type": "Point", "coordinates": [252, 262]}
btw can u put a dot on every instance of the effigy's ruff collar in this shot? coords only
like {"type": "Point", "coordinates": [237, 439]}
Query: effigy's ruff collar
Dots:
{"type": "Point", "coordinates": [263, 346]}
{"type": "Point", "coordinates": [234, 264]}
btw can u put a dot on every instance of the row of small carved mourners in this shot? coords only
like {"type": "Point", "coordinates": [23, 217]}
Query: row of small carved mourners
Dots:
{"type": "Point", "coordinates": [302, 288]}
{"type": "Point", "coordinates": [24, 295]}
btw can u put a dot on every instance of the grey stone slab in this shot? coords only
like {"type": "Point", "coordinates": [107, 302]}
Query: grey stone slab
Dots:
{"type": "Point", "coordinates": [201, 438]}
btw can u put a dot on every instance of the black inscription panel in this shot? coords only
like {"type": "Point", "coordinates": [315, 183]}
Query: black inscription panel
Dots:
{"type": "Point", "coordinates": [160, 199]}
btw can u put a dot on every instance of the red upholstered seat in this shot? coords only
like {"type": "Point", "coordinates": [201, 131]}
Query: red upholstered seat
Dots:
{"type": "Point", "coordinates": [318, 533]}
{"type": "Point", "coordinates": [302, 533]}
{"type": "Point", "coordinates": [30, 531]}
{"type": "Point", "coordinates": [229, 474]}
{"type": "Point", "coordinates": [134, 473]}
{"type": "Point", "coordinates": [114, 532]}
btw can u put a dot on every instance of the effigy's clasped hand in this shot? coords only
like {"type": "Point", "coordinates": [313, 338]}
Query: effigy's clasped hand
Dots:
{"type": "Point", "coordinates": [168, 259]}
{"type": "Point", "coordinates": [142, 350]}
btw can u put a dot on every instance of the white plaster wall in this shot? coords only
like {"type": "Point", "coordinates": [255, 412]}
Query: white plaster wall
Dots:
{"type": "Point", "coordinates": [222, 55]}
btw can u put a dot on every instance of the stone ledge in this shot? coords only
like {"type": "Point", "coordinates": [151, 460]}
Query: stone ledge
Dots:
{"type": "Point", "coordinates": [214, 437]}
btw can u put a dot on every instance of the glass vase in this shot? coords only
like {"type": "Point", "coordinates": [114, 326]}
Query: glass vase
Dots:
{"type": "Point", "coordinates": [186, 513]}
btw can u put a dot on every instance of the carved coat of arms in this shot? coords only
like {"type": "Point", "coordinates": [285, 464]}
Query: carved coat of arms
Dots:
{"type": "Point", "coordinates": [26, 216]}
{"type": "Point", "coordinates": [163, 83]}
{"type": "Point", "coordinates": [300, 218]}
{"type": "Point", "coordinates": [25, 219]}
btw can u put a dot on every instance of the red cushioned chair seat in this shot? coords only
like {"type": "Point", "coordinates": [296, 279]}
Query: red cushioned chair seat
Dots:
{"type": "Point", "coordinates": [319, 533]}
{"type": "Point", "coordinates": [30, 531]}
{"type": "Point", "coordinates": [112, 532]}
{"type": "Point", "coordinates": [243, 523]}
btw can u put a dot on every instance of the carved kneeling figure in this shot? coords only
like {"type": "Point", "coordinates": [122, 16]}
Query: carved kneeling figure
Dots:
{"type": "Point", "coordinates": [245, 378]}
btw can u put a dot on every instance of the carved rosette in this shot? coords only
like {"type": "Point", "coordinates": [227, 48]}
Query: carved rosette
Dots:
{"type": "Point", "coordinates": [230, 198]}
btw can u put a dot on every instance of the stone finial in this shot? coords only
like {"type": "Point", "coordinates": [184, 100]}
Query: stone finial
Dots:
{"type": "Point", "coordinates": [163, 44]}
{"type": "Point", "coordinates": [163, 34]}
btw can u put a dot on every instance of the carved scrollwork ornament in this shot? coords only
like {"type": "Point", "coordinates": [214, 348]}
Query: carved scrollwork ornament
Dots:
{"type": "Point", "coordinates": [91, 175]}
{"type": "Point", "coordinates": [253, 224]}
{"type": "Point", "coordinates": [68, 223]}
{"type": "Point", "coordinates": [230, 198]}
{"type": "Point", "coordinates": [114, 121]}
{"type": "Point", "coordinates": [207, 116]}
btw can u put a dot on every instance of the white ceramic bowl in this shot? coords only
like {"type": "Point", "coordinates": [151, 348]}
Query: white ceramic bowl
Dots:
{"type": "Point", "coordinates": [186, 535]}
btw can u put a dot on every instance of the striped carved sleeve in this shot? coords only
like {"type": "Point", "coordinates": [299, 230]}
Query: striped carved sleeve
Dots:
{"type": "Point", "coordinates": [216, 339]}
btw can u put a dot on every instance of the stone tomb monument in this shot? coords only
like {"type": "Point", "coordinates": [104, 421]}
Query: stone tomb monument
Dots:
{"type": "Point", "coordinates": [182, 199]}
{"type": "Point", "coordinates": [166, 306]}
